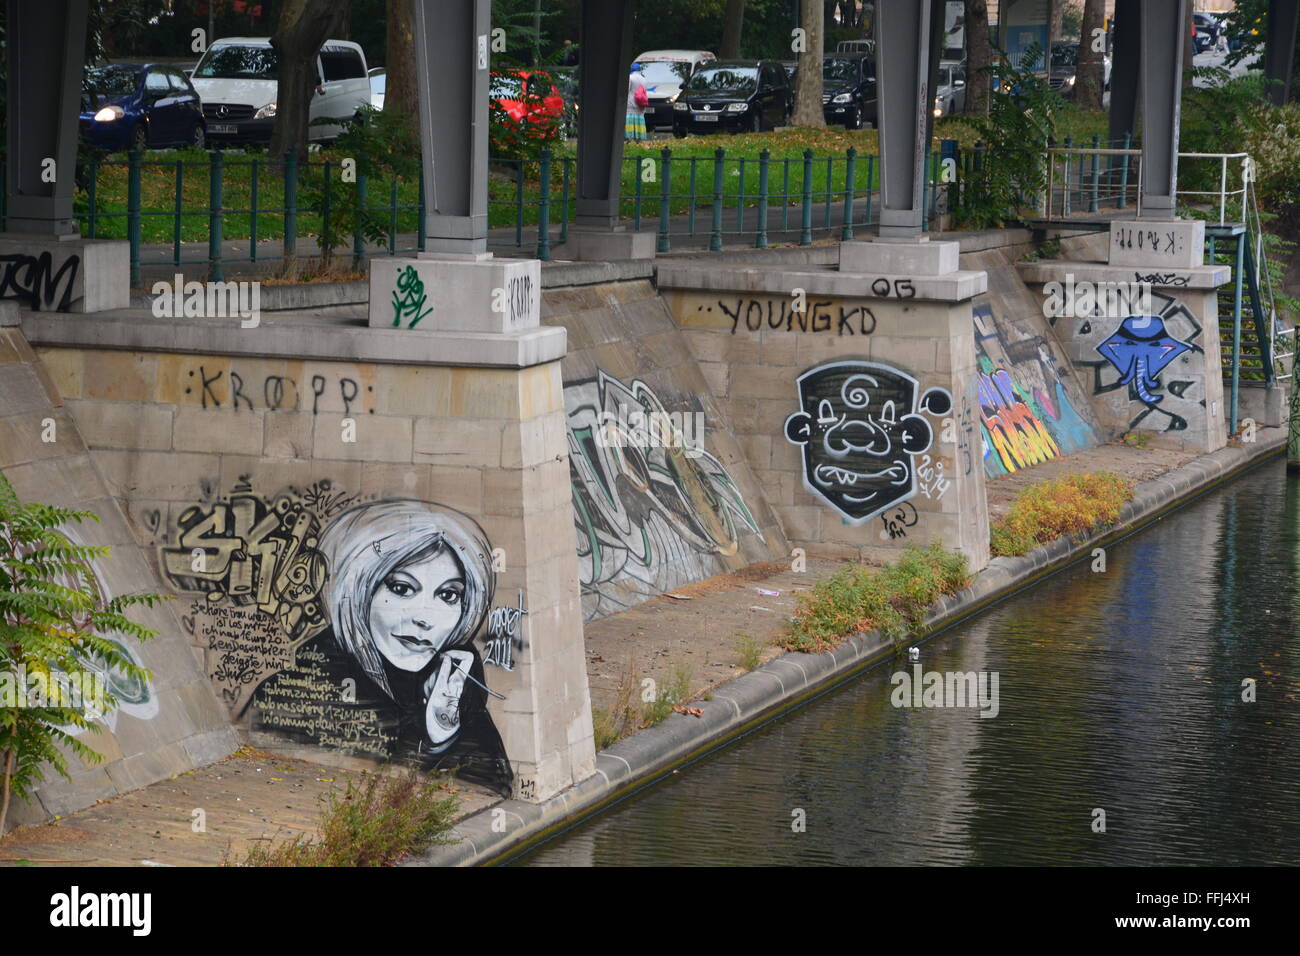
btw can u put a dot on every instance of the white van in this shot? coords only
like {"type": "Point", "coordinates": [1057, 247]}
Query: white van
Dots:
{"type": "Point", "coordinates": [237, 81]}
{"type": "Point", "coordinates": [665, 73]}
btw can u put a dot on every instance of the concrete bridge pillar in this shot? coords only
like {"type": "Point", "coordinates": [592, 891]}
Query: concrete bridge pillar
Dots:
{"type": "Point", "coordinates": [44, 261]}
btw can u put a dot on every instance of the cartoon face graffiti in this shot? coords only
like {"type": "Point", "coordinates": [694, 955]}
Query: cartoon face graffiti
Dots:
{"type": "Point", "coordinates": [1140, 349]}
{"type": "Point", "coordinates": [859, 427]}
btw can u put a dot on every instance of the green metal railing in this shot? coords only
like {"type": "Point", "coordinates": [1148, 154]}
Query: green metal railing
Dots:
{"type": "Point", "coordinates": [224, 209]}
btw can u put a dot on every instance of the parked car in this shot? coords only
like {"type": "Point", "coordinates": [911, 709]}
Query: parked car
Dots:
{"type": "Point", "coordinates": [1064, 65]}
{"type": "Point", "coordinates": [849, 89]}
{"type": "Point", "coordinates": [950, 91]}
{"type": "Point", "coordinates": [529, 96]}
{"type": "Point", "coordinates": [127, 106]}
{"type": "Point", "coordinates": [1209, 31]}
{"type": "Point", "coordinates": [665, 72]}
{"type": "Point", "coordinates": [740, 95]}
{"type": "Point", "coordinates": [378, 82]}
{"type": "Point", "coordinates": [237, 79]}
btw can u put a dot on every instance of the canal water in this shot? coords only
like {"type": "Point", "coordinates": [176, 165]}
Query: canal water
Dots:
{"type": "Point", "coordinates": [1118, 691]}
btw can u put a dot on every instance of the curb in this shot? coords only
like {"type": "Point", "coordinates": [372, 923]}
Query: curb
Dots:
{"type": "Point", "coordinates": [753, 699]}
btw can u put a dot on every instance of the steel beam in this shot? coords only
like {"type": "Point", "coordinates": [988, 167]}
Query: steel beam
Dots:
{"type": "Point", "coordinates": [451, 60]}
{"type": "Point", "coordinates": [1279, 49]}
{"type": "Point", "coordinates": [1126, 62]}
{"type": "Point", "coordinates": [605, 57]}
{"type": "Point", "coordinates": [903, 86]}
{"type": "Point", "coordinates": [1164, 26]}
{"type": "Point", "coordinates": [46, 46]}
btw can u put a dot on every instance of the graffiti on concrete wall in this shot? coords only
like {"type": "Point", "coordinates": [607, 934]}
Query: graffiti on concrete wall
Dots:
{"type": "Point", "coordinates": [1026, 417]}
{"type": "Point", "coordinates": [349, 624]}
{"type": "Point", "coordinates": [1149, 355]}
{"type": "Point", "coordinates": [34, 280]}
{"type": "Point", "coordinates": [861, 426]}
{"type": "Point", "coordinates": [649, 515]}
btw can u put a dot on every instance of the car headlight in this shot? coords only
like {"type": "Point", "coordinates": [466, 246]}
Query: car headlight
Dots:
{"type": "Point", "coordinates": [938, 112]}
{"type": "Point", "coordinates": [843, 98]}
{"type": "Point", "coordinates": [737, 107]}
{"type": "Point", "coordinates": [266, 112]}
{"type": "Point", "coordinates": [1067, 83]}
{"type": "Point", "coordinates": [680, 106]}
{"type": "Point", "coordinates": [673, 98]}
{"type": "Point", "coordinates": [108, 114]}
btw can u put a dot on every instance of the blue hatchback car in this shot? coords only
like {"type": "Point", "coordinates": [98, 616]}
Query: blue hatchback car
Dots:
{"type": "Point", "coordinates": [129, 106]}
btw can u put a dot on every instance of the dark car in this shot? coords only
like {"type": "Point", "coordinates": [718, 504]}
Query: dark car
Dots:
{"type": "Point", "coordinates": [849, 89]}
{"type": "Point", "coordinates": [1208, 32]}
{"type": "Point", "coordinates": [738, 96]}
{"type": "Point", "coordinates": [128, 106]}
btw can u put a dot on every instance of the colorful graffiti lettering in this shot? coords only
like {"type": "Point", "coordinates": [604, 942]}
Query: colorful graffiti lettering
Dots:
{"type": "Point", "coordinates": [860, 427]}
{"type": "Point", "coordinates": [648, 516]}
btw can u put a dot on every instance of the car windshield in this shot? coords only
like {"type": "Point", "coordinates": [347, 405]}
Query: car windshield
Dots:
{"type": "Point", "coordinates": [238, 62]}
{"type": "Point", "coordinates": [732, 79]}
{"type": "Point", "coordinates": [1064, 55]}
{"type": "Point", "coordinates": [840, 70]}
{"type": "Point", "coordinates": [112, 80]}
{"type": "Point", "coordinates": [665, 71]}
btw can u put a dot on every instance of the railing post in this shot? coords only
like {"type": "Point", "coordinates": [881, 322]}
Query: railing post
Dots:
{"type": "Point", "coordinates": [179, 205]}
{"type": "Point", "coordinates": [850, 157]}
{"type": "Point", "coordinates": [805, 233]}
{"type": "Point", "coordinates": [91, 190]}
{"type": "Point", "coordinates": [252, 218]}
{"type": "Point", "coordinates": [1236, 330]}
{"type": "Point", "coordinates": [133, 213]}
{"type": "Point", "coordinates": [290, 206]}
{"type": "Point", "coordinates": [1223, 187]}
{"type": "Point", "coordinates": [392, 217]}
{"type": "Point", "coordinates": [636, 194]}
{"type": "Point", "coordinates": [715, 238]}
{"type": "Point", "coordinates": [326, 233]}
{"type": "Point", "coordinates": [1094, 205]}
{"type": "Point", "coordinates": [1065, 202]}
{"type": "Point", "coordinates": [871, 185]}
{"type": "Point", "coordinates": [216, 181]}
{"type": "Point", "coordinates": [544, 209]}
{"type": "Point", "coordinates": [358, 233]}
{"type": "Point", "coordinates": [764, 159]}
{"type": "Point", "coordinates": [564, 199]}
{"type": "Point", "coordinates": [1123, 175]}
{"type": "Point", "coordinates": [665, 195]}
{"type": "Point", "coordinates": [519, 205]}
{"type": "Point", "coordinates": [740, 197]}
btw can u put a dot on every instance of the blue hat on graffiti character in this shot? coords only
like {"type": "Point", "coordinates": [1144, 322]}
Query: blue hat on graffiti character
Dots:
{"type": "Point", "coordinates": [1140, 349]}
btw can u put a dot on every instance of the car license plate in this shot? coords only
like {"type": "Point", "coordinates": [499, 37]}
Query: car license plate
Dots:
{"type": "Point", "coordinates": [219, 129]}
{"type": "Point", "coordinates": [707, 117]}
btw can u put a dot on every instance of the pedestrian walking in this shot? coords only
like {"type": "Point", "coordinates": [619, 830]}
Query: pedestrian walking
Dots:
{"type": "Point", "coordinates": [637, 101]}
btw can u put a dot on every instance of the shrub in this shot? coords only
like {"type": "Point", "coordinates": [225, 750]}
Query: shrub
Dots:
{"type": "Point", "coordinates": [1072, 505]}
{"type": "Point", "coordinates": [374, 822]}
{"type": "Point", "coordinates": [893, 599]}
{"type": "Point", "coordinates": [54, 628]}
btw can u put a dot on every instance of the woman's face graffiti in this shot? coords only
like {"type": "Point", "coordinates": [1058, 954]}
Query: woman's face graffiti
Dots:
{"type": "Point", "coordinates": [859, 430]}
{"type": "Point", "coordinates": [416, 608]}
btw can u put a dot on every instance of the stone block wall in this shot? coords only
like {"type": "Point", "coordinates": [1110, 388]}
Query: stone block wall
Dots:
{"type": "Point", "coordinates": [765, 365]}
{"type": "Point", "coordinates": [168, 725]}
{"type": "Point", "coordinates": [233, 471]}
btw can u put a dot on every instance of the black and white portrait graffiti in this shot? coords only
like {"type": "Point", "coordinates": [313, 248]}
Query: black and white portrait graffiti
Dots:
{"type": "Point", "coordinates": [860, 425]}
{"type": "Point", "coordinates": [652, 509]}
{"type": "Point", "coordinates": [364, 639]}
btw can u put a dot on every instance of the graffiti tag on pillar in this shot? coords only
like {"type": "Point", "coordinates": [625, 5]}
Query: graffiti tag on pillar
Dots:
{"type": "Point", "coordinates": [409, 298]}
{"type": "Point", "coordinates": [34, 280]}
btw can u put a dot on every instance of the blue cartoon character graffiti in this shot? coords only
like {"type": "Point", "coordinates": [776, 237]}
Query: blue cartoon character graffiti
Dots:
{"type": "Point", "coordinates": [859, 425]}
{"type": "Point", "coordinates": [1140, 349]}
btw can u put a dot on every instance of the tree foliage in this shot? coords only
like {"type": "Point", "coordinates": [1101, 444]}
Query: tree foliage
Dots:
{"type": "Point", "coordinates": [54, 622]}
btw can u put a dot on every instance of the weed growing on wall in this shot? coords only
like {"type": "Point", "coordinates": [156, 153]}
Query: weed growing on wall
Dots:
{"type": "Point", "coordinates": [374, 822]}
{"type": "Point", "coordinates": [1072, 505]}
{"type": "Point", "coordinates": [893, 599]}
{"type": "Point", "coordinates": [54, 639]}
{"type": "Point", "coordinates": [611, 724]}
{"type": "Point", "coordinates": [750, 650]}
{"type": "Point", "coordinates": [675, 692]}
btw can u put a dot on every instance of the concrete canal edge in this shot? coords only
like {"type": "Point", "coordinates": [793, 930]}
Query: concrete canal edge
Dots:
{"type": "Point", "coordinates": [753, 699]}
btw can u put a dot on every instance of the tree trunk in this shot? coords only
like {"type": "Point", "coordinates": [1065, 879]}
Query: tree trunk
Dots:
{"type": "Point", "coordinates": [733, 23]}
{"type": "Point", "coordinates": [808, 80]}
{"type": "Point", "coordinates": [979, 56]}
{"type": "Point", "coordinates": [1092, 50]}
{"type": "Point", "coordinates": [303, 27]}
{"type": "Point", "coordinates": [400, 92]}
{"type": "Point", "coordinates": [8, 773]}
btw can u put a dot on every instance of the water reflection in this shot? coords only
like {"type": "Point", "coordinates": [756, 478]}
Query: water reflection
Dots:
{"type": "Point", "coordinates": [1119, 690]}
